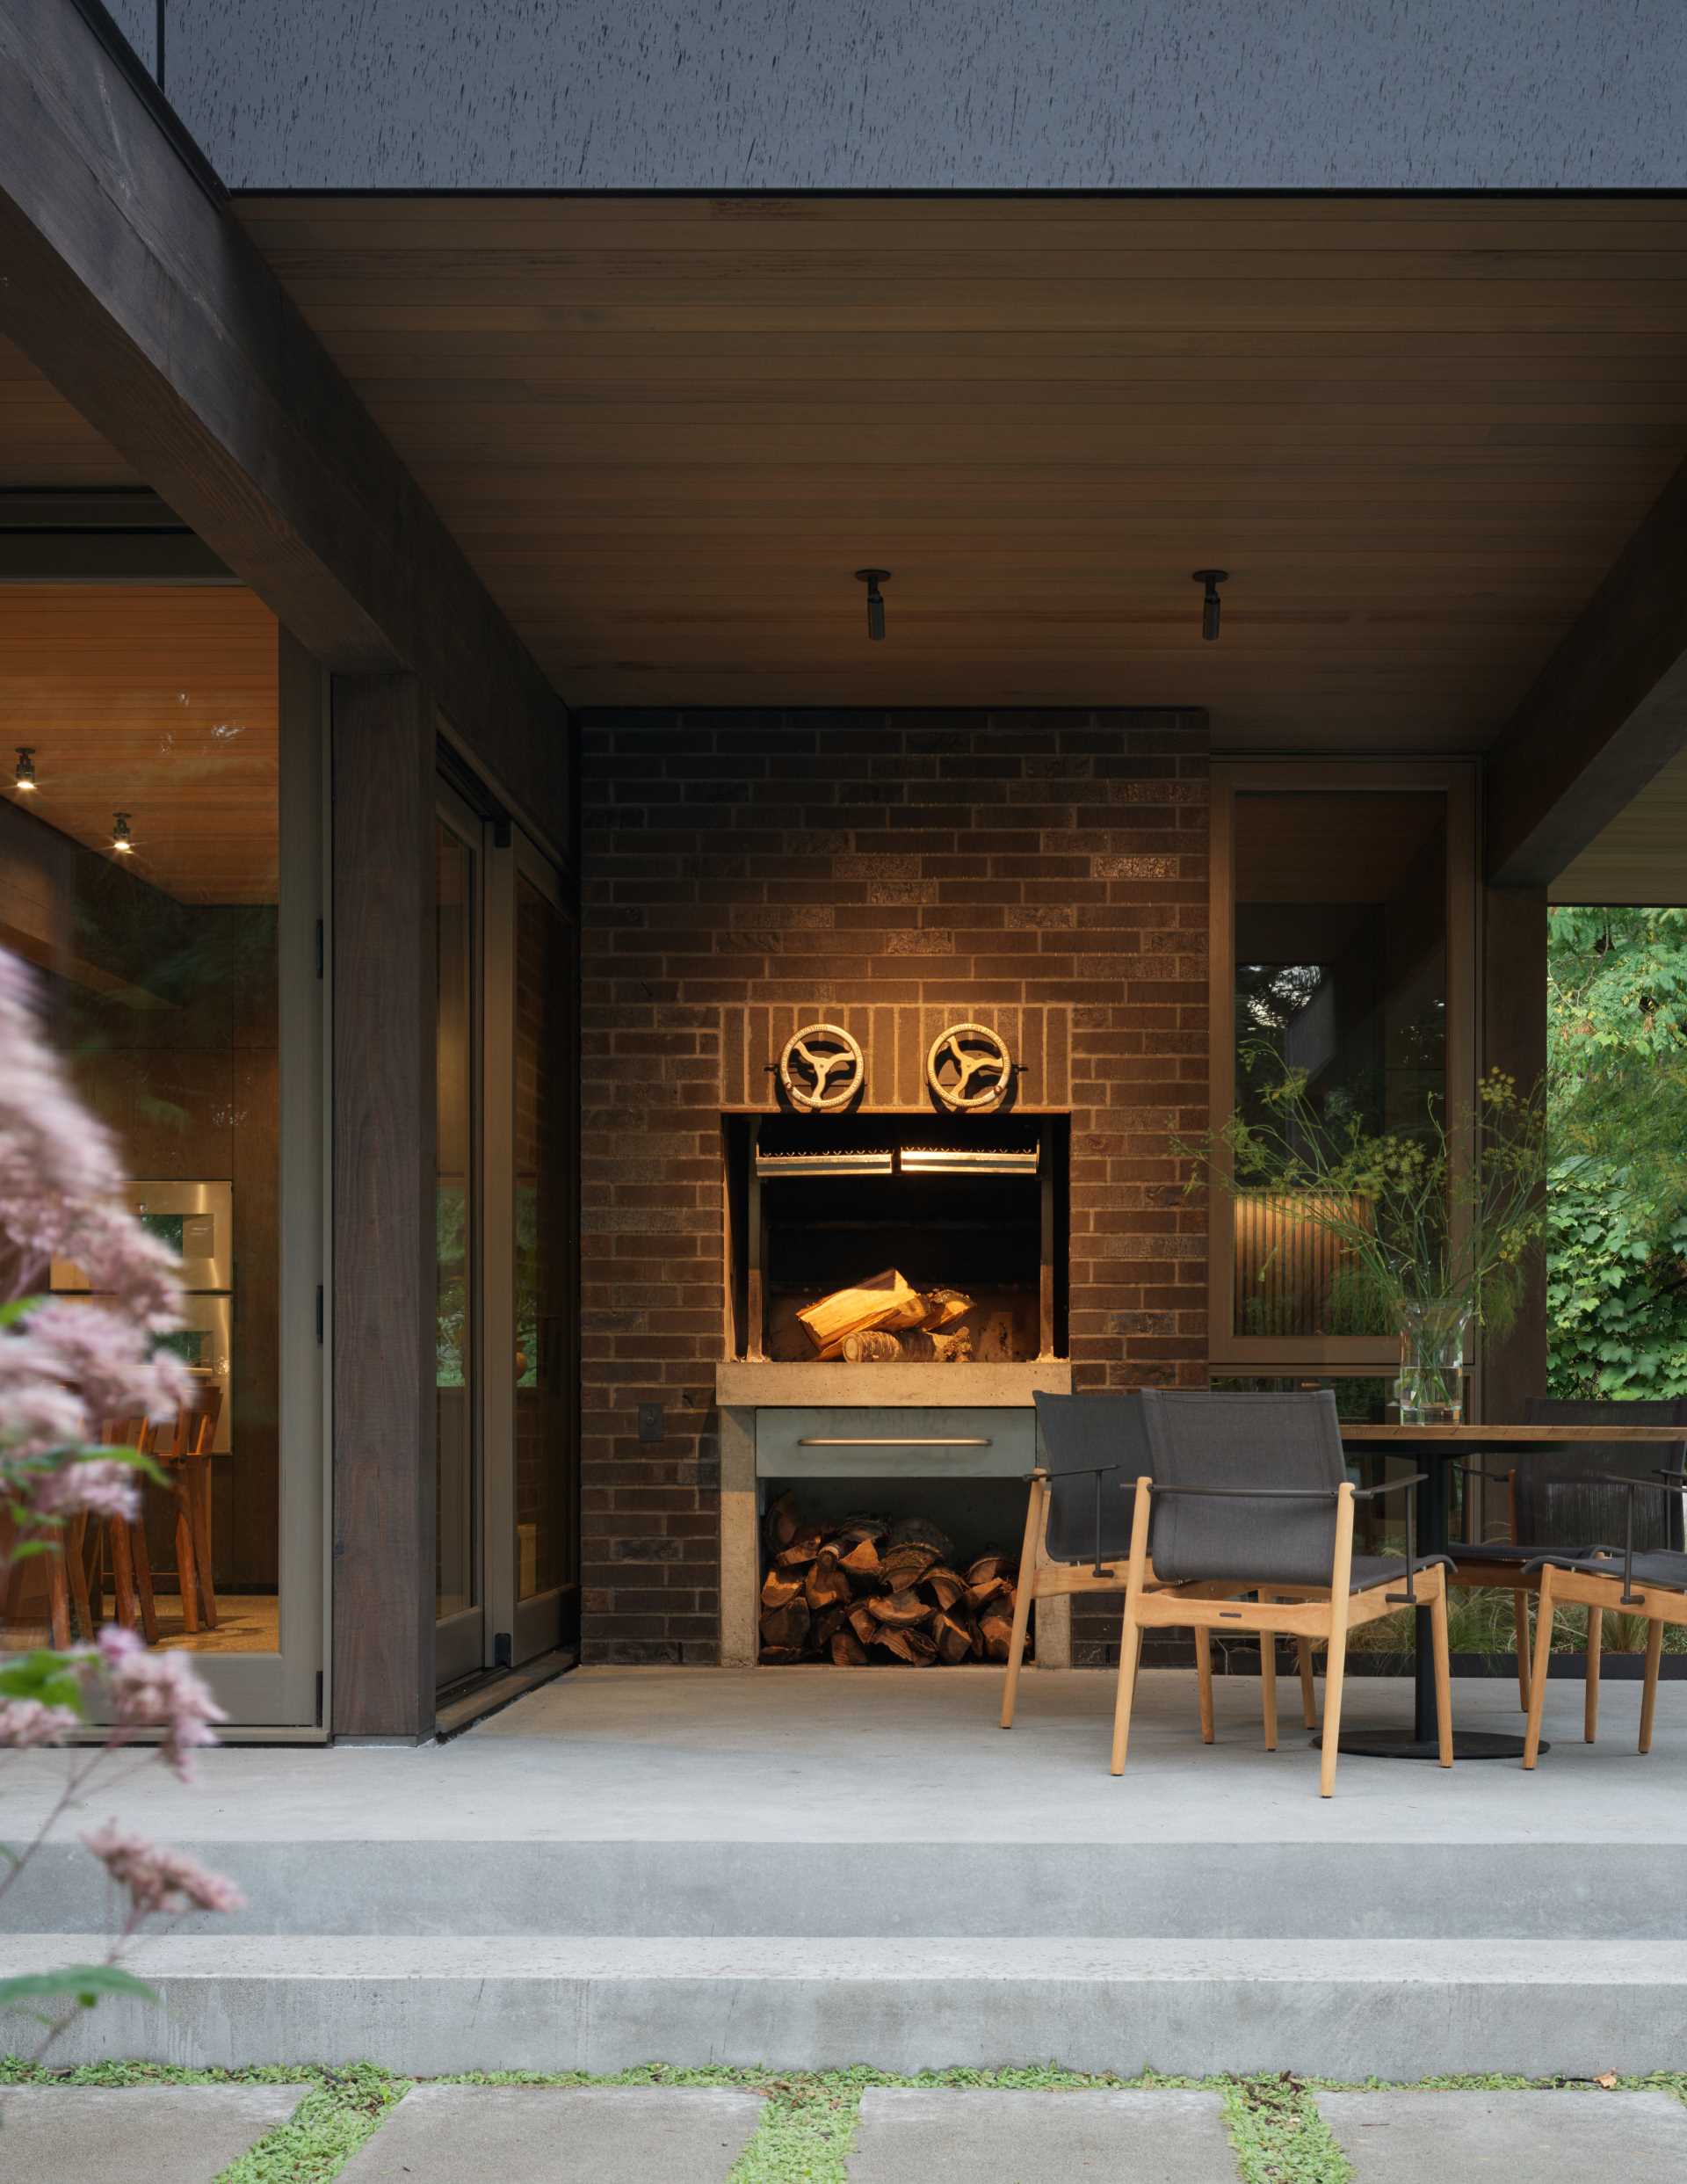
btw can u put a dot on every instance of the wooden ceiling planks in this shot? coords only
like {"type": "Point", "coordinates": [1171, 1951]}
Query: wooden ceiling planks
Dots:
{"type": "Point", "coordinates": [45, 444]}
{"type": "Point", "coordinates": [159, 701]}
{"type": "Point", "coordinates": [666, 431]}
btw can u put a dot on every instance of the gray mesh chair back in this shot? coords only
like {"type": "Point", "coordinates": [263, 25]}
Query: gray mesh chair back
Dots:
{"type": "Point", "coordinates": [1077, 1433]}
{"type": "Point", "coordinates": [1560, 1501]}
{"type": "Point", "coordinates": [1244, 1440]}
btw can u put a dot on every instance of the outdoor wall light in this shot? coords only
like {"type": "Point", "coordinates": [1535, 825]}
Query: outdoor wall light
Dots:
{"type": "Point", "coordinates": [1211, 578]}
{"type": "Point", "coordinates": [872, 578]}
{"type": "Point", "coordinates": [23, 773]}
{"type": "Point", "coordinates": [121, 840]}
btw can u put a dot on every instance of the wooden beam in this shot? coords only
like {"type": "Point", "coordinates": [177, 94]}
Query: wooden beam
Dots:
{"type": "Point", "coordinates": [125, 280]}
{"type": "Point", "coordinates": [384, 1242]}
{"type": "Point", "coordinates": [1608, 711]}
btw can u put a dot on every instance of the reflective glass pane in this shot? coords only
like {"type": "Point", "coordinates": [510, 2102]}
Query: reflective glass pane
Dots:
{"type": "Point", "coordinates": [1340, 973]}
{"type": "Point", "coordinates": [140, 877]}
{"type": "Point", "coordinates": [455, 1212]}
{"type": "Point", "coordinates": [544, 1246]}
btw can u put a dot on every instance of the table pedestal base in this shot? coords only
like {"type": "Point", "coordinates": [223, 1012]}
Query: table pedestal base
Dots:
{"type": "Point", "coordinates": [1406, 1744]}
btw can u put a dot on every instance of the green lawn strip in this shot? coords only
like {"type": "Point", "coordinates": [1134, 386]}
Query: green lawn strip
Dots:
{"type": "Point", "coordinates": [1278, 2134]}
{"type": "Point", "coordinates": [332, 2121]}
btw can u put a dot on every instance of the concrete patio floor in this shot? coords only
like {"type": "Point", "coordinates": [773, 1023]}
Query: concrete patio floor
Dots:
{"type": "Point", "coordinates": [798, 1868]}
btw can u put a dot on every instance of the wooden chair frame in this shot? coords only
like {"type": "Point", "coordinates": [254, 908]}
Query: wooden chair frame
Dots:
{"type": "Point", "coordinates": [1041, 1578]}
{"type": "Point", "coordinates": [1328, 1613]}
{"type": "Point", "coordinates": [1557, 1587]}
{"type": "Point", "coordinates": [1522, 1584]}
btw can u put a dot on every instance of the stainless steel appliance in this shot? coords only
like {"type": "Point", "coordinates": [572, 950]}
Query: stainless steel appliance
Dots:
{"type": "Point", "coordinates": [197, 1221]}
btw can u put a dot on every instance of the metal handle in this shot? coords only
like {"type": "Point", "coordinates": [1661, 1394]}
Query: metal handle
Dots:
{"type": "Point", "coordinates": [897, 1441]}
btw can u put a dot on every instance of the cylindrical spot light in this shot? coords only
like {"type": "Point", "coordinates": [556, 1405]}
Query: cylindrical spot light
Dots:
{"type": "Point", "coordinates": [1211, 578]}
{"type": "Point", "coordinates": [872, 578]}
{"type": "Point", "coordinates": [121, 840]}
{"type": "Point", "coordinates": [24, 772]}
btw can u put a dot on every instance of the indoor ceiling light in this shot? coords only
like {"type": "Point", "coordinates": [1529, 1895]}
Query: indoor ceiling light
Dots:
{"type": "Point", "coordinates": [872, 578]}
{"type": "Point", "coordinates": [120, 839]}
{"type": "Point", "coordinates": [24, 772]}
{"type": "Point", "coordinates": [1211, 578]}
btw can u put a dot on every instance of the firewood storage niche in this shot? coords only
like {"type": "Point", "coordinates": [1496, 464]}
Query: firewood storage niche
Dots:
{"type": "Point", "coordinates": [969, 1211]}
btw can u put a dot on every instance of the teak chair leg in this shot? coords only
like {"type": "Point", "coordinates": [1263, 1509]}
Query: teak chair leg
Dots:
{"type": "Point", "coordinates": [1308, 1696]}
{"type": "Point", "coordinates": [75, 1551]}
{"type": "Point", "coordinates": [1204, 1681]}
{"type": "Point", "coordinates": [142, 1566]}
{"type": "Point", "coordinates": [1590, 1697]}
{"type": "Point", "coordinates": [1268, 1686]}
{"type": "Point", "coordinates": [1538, 1680]}
{"type": "Point", "coordinates": [1520, 1624]}
{"type": "Point", "coordinates": [198, 1502]}
{"type": "Point", "coordinates": [58, 1594]}
{"type": "Point", "coordinates": [187, 1584]}
{"type": "Point", "coordinates": [117, 1539]}
{"type": "Point", "coordinates": [1341, 1578]}
{"type": "Point", "coordinates": [1649, 1689]}
{"type": "Point", "coordinates": [1443, 1675]}
{"type": "Point", "coordinates": [1130, 1640]}
{"type": "Point", "coordinates": [1035, 1511]}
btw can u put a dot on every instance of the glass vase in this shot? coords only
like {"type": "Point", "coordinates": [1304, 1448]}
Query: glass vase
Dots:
{"type": "Point", "coordinates": [1430, 1389]}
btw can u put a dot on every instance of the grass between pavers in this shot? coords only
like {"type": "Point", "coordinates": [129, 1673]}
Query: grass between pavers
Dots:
{"type": "Point", "coordinates": [808, 2125]}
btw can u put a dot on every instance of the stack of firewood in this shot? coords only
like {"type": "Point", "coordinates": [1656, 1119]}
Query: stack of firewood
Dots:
{"type": "Point", "coordinates": [860, 1589]}
{"type": "Point", "coordinates": [887, 1319]}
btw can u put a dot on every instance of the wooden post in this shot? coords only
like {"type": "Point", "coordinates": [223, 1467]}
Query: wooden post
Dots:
{"type": "Point", "coordinates": [384, 1185]}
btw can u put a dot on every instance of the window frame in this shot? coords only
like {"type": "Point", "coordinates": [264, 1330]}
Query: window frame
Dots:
{"type": "Point", "coordinates": [1454, 779]}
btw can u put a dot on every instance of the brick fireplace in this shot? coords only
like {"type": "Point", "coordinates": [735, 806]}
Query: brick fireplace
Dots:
{"type": "Point", "coordinates": [747, 873]}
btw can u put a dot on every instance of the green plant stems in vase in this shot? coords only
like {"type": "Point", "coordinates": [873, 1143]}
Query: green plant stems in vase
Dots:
{"type": "Point", "coordinates": [1430, 1389]}
{"type": "Point", "coordinates": [1432, 1223]}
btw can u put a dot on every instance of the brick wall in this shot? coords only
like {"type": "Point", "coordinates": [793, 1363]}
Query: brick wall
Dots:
{"type": "Point", "coordinates": [844, 859]}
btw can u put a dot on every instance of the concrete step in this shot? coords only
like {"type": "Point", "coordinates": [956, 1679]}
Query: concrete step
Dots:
{"type": "Point", "coordinates": [1336, 2008]}
{"type": "Point", "coordinates": [1240, 1889]}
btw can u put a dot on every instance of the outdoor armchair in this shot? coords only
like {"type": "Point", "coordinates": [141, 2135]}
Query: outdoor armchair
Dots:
{"type": "Point", "coordinates": [1571, 1500]}
{"type": "Point", "coordinates": [1633, 1579]}
{"type": "Point", "coordinates": [1244, 1522]}
{"type": "Point", "coordinates": [1077, 1536]}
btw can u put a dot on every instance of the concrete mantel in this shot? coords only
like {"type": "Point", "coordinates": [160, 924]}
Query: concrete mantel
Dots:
{"type": "Point", "coordinates": [742, 1386]}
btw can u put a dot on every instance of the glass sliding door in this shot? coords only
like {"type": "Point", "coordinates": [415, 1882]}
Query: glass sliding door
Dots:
{"type": "Point", "coordinates": [506, 1223]}
{"type": "Point", "coordinates": [461, 1640]}
{"type": "Point", "coordinates": [160, 872]}
{"type": "Point", "coordinates": [544, 1258]}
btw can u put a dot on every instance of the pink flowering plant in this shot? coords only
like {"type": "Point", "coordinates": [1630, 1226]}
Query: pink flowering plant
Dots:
{"type": "Point", "coordinates": [66, 1366]}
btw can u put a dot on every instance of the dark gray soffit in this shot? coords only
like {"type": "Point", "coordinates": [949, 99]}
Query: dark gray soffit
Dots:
{"type": "Point", "coordinates": [932, 94]}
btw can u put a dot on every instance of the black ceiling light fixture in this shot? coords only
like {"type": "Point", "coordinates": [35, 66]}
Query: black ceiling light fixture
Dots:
{"type": "Point", "coordinates": [122, 839]}
{"type": "Point", "coordinates": [1211, 578]}
{"type": "Point", "coordinates": [872, 578]}
{"type": "Point", "coordinates": [23, 773]}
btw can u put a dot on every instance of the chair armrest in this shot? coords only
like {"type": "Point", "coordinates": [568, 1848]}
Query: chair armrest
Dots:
{"type": "Point", "coordinates": [1475, 1471]}
{"type": "Point", "coordinates": [1388, 1486]}
{"type": "Point", "coordinates": [1665, 1483]}
{"type": "Point", "coordinates": [1078, 1471]}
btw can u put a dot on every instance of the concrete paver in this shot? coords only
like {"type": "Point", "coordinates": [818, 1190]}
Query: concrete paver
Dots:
{"type": "Point", "coordinates": [110, 2135]}
{"type": "Point", "coordinates": [956, 2137]}
{"type": "Point", "coordinates": [1496, 2138]}
{"type": "Point", "coordinates": [558, 2135]}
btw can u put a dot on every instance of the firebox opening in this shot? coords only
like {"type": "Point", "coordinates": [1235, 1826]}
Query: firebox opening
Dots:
{"type": "Point", "coordinates": [973, 1212]}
